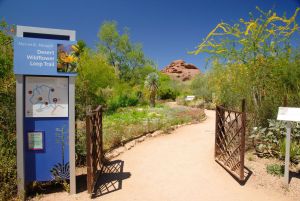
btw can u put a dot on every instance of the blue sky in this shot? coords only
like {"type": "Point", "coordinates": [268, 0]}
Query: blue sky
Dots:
{"type": "Point", "coordinates": [167, 29]}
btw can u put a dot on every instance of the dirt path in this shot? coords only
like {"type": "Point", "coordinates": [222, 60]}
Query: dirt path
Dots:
{"type": "Point", "coordinates": [175, 167]}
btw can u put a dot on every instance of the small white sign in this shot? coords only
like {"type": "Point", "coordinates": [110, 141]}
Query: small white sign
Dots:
{"type": "Point", "coordinates": [288, 114]}
{"type": "Point", "coordinates": [35, 141]}
{"type": "Point", "coordinates": [189, 98]}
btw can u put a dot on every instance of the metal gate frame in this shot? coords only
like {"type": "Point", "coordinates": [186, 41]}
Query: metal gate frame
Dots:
{"type": "Point", "coordinates": [94, 146]}
{"type": "Point", "coordinates": [230, 140]}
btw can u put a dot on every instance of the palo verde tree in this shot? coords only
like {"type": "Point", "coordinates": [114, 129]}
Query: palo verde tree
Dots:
{"type": "Point", "coordinates": [255, 59]}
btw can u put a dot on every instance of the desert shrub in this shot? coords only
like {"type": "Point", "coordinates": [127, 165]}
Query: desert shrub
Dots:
{"type": "Point", "coordinates": [200, 87]}
{"type": "Point", "coordinates": [80, 145]}
{"type": "Point", "coordinates": [8, 167]}
{"type": "Point", "coordinates": [270, 141]}
{"type": "Point", "coordinates": [168, 88]}
{"type": "Point", "coordinates": [94, 81]}
{"type": "Point", "coordinates": [180, 100]}
{"type": "Point", "coordinates": [122, 100]}
{"type": "Point", "coordinates": [167, 93]}
{"type": "Point", "coordinates": [210, 106]}
{"type": "Point", "coordinates": [124, 95]}
{"type": "Point", "coordinates": [275, 170]}
{"type": "Point", "coordinates": [198, 103]}
{"type": "Point", "coordinates": [294, 150]}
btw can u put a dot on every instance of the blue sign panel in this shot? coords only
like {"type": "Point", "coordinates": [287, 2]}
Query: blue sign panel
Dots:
{"type": "Point", "coordinates": [51, 162]}
{"type": "Point", "coordinates": [45, 57]}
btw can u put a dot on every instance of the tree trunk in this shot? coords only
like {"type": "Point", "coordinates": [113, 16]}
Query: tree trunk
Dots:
{"type": "Point", "coordinates": [152, 99]}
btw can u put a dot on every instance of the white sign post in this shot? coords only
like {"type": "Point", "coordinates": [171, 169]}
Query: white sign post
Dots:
{"type": "Point", "coordinates": [288, 114]}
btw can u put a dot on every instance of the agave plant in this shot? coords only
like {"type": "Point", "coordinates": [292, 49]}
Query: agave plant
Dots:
{"type": "Point", "coordinates": [60, 172]}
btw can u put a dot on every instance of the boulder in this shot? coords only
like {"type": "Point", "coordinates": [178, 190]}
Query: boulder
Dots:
{"type": "Point", "coordinates": [179, 70]}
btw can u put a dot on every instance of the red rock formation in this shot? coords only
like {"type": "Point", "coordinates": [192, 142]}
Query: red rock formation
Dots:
{"type": "Point", "coordinates": [179, 70]}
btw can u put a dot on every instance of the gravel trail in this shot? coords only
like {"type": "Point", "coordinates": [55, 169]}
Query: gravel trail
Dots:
{"type": "Point", "coordinates": [175, 167]}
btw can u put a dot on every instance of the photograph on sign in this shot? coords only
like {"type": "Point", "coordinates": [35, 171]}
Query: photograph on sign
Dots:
{"type": "Point", "coordinates": [35, 140]}
{"type": "Point", "coordinates": [46, 97]}
{"type": "Point", "coordinates": [67, 58]}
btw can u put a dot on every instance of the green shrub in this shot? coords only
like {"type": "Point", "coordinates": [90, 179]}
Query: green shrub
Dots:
{"type": "Point", "coordinates": [80, 146]}
{"type": "Point", "coordinates": [210, 106]}
{"type": "Point", "coordinates": [270, 141]}
{"type": "Point", "coordinates": [200, 87]}
{"type": "Point", "coordinates": [275, 170]}
{"type": "Point", "coordinates": [167, 93]}
{"type": "Point", "coordinates": [123, 100]}
{"type": "Point", "coordinates": [294, 150]}
{"type": "Point", "coordinates": [94, 82]}
{"type": "Point", "coordinates": [168, 88]}
{"type": "Point", "coordinates": [198, 103]}
{"type": "Point", "coordinates": [8, 166]}
{"type": "Point", "coordinates": [180, 100]}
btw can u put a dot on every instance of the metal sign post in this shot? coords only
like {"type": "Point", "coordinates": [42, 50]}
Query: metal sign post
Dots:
{"type": "Point", "coordinates": [289, 115]}
{"type": "Point", "coordinates": [287, 154]}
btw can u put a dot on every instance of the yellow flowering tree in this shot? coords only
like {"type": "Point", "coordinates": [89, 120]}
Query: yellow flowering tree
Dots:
{"type": "Point", "coordinates": [248, 39]}
{"type": "Point", "coordinates": [253, 59]}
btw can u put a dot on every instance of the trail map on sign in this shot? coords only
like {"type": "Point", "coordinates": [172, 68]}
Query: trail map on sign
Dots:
{"type": "Point", "coordinates": [46, 97]}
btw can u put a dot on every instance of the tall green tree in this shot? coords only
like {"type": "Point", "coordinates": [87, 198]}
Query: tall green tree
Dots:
{"type": "Point", "coordinates": [126, 57]}
{"type": "Point", "coordinates": [95, 76]}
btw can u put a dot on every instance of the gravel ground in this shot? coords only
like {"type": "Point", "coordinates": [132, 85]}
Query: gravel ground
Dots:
{"type": "Point", "coordinates": [181, 167]}
{"type": "Point", "coordinates": [261, 179]}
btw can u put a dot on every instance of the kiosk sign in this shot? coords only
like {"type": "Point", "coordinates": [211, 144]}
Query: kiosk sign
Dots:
{"type": "Point", "coordinates": [45, 71]}
{"type": "Point", "coordinates": [44, 57]}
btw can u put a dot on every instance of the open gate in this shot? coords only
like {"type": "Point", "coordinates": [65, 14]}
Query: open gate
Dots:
{"type": "Point", "coordinates": [94, 145]}
{"type": "Point", "coordinates": [230, 140]}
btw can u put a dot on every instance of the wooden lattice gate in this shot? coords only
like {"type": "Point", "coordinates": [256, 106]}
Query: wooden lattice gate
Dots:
{"type": "Point", "coordinates": [94, 145]}
{"type": "Point", "coordinates": [230, 140]}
